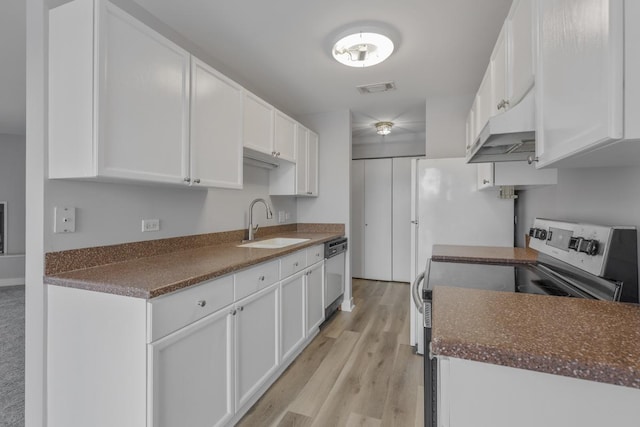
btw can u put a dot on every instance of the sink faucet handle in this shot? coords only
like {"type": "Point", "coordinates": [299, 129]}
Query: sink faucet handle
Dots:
{"type": "Point", "coordinates": [255, 229]}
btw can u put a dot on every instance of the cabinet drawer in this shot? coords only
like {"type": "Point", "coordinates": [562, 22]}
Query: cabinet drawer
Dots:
{"type": "Point", "coordinates": [315, 254]}
{"type": "Point", "coordinates": [171, 312]}
{"type": "Point", "coordinates": [293, 263]}
{"type": "Point", "coordinates": [255, 278]}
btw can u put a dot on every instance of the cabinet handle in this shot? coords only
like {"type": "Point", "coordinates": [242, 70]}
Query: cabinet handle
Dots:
{"type": "Point", "coordinates": [532, 159]}
{"type": "Point", "coordinates": [309, 192]}
{"type": "Point", "coordinates": [295, 264]}
{"type": "Point", "coordinates": [278, 154]}
{"type": "Point", "coordinates": [232, 312]}
{"type": "Point", "coordinates": [241, 308]}
{"type": "Point", "coordinates": [502, 104]}
{"type": "Point", "coordinates": [273, 153]}
{"type": "Point", "coordinates": [318, 254]}
{"type": "Point", "coordinates": [261, 278]}
{"type": "Point", "coordinates": [485, 181]}
{"type": "Point", "coordinates": [196, 181]}
{"type": "Point", "coordinates": [187, 179]}
{"type": "Point", "coordinates": [202, 303]}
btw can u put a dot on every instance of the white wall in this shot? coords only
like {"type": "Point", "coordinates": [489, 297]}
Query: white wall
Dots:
{"type": "Point", "coordinates": [392, 149]}
{"type": "Point", "coordinates": [607, 196]}
{"type": "Point", "coordinates": [12, 189]}
{"type": "Point", "coordinates": [446, 126]}
{"type": "Point", "coordinates": [333, 204]}
{"type": "Point", "coordinates": [112, 213]}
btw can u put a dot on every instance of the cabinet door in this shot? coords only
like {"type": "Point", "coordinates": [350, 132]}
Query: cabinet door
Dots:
{"type": "Point", "coordinates": [191, 372]}
{"type": "Point", "coordinates": [314, 280]}
{"type": "Point", "coordinates": [357, 218]}
{"type": "Point", "coordinates": [284, 140]}
{"type": "Point", "coordinates": [484, 102]}
{"type": "Point", "coordinates": [401, 215]}
{"type": "Point", "coordinates": [256, 348]}
{"type": "Point", "coordinates": [257, 124]}
{"type": "Point", "coordinates": [312, 164]}
{"type": "Point", "coordinates": [216, 128]}
{"type": "Point", "coordinates": [292, 318]}
{"type": "Point", "coordinates": [143, 96]}
{"type": "Point", "coordinates": [521, 51]}
{"type": "Point", "coordinates": [302, 158]}
{"type": "Point", "coordinates": [498, 64]}
{"type": "Point", "coordinates": [377, 222]}
{"type": "Point", "coordinates": [485, 175]}
{"type": "Point", "coordinates": [579, 79]}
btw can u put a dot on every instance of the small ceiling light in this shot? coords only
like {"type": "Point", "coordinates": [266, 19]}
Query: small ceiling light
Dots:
{"type": "Point", "coordinates": [362, 49]}
{"type": "Point", "coordinates": [383, 128]}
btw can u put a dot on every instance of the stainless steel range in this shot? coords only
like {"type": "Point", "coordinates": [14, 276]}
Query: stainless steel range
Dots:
{"type": "Point", "coordinates": [574, 260]}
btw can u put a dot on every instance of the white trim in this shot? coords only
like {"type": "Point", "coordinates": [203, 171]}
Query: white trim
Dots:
{"type": "Point", "coordinates": [348, 305]}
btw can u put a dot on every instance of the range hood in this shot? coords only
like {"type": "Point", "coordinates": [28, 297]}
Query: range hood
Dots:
{"type": "Point", "coordinates": [507, 137]}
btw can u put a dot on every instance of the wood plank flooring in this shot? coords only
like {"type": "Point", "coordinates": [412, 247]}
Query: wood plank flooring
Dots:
{"type": "Point", "coordinates": [358, 371]}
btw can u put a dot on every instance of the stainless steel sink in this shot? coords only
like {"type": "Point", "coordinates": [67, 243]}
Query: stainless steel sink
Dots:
{"type": "Point", "coordinates": [275, 243]}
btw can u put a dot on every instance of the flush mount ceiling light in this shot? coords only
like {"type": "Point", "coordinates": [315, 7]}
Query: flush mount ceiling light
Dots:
{"type": "Point", "coordinates": [362, 49]}
{"type": "Point", "coordinates": [383, 128]}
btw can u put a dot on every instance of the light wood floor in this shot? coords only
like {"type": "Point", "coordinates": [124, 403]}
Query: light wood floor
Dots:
{"type": "Point", "coordinates": [358, 371]}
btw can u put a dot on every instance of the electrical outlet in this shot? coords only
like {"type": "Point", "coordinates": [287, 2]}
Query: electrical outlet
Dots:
{"type": "Point", "coordinates": [280, 217]}
{"type": "Point", "coordinates": [150, 225]}
{"type": "Point", "coordinates": [287, 216]}
{"type": "Point", "coordinates": [64, 219]}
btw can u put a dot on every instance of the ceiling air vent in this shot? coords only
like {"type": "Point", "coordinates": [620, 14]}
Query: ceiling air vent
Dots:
{"type": "Point", "coordinates": [377, 87]}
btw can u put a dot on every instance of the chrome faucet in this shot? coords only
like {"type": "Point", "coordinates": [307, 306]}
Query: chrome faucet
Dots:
{"type": "Point", "coordinates": [253, 231]}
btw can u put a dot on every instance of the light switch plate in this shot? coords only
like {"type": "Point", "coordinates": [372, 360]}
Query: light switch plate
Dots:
{"type": "Point", "coordinates": [280, 217]}
{"type": "Point", "coordinates": [64, 219]}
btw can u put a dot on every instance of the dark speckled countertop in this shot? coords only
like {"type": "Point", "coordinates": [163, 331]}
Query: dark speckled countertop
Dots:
{"type": "Point", "coordinates": [152, 276]}
{"type": "Point", "coordinates": [591, 340]}
{"type": "Point", "coordinates": [484, 254]}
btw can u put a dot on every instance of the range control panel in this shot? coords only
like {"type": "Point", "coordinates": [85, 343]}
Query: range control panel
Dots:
{"type": "Point", "coordinates": [582, 245]}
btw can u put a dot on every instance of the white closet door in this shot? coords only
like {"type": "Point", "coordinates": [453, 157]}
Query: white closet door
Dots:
{"type": "Point", "coordinates": [401, 219]}
{"type": "Point", "coordinates": [377, 211]}
{"type": "Point", "coordinates": [357, 218]}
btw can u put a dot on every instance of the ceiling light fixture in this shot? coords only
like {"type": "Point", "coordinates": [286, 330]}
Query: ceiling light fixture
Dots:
{"type": "Point", "coordinates": [383, 128]}
{"type": "Point", "coordinates": [362, 49]}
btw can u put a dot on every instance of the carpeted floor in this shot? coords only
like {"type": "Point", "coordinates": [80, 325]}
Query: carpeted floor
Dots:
{"type": "Point", "coordinates": [12, 356]}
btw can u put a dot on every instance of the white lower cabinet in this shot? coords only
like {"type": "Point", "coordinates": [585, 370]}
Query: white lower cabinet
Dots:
{"type": "Point", "coordinates": [256, 343]}
{"type": "Point", "coordinates": [197, 357]}
{"type": "Point", "coordinates": [472, 394]}
{"type": "Point", "coordinates": [189, 374]}
{"type": "Point", "coordinates": [314, 285]}
{"type": "Point", "coordinates": [292, 318]}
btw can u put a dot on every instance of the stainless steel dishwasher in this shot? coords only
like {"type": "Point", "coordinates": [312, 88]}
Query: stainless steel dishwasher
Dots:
{"type": "Point", "coordinates": [334, 277]}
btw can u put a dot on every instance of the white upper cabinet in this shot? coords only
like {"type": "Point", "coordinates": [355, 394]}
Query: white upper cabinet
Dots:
{"type": "Point", "coordinates": [284, 138]}
{"type": "Point", "coordinates": [484, 103]}
{"type": "Point", "coordinates": [521, 56]}
{"type": "Point", "coordinates": [520, 175]}
{"type": "Point", "coordinates": [216, 128]}
{"type": "Point", "coordinates": [118, 106]}
{"type": "Point", "coordinates": [499, 75]}
{"type": "Point", "coordinates": [125, 103]}
{"type": "Point", "coordinates": [306, 162]}
{"type": "Point", "coordinates": [258, 124]}
{"type": "Point", "coordinates": [587, 82]}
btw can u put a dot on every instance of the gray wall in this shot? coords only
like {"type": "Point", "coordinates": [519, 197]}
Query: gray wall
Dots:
{"type": "Point", "coordinates": [446, 126]}
{"type": "Point", "coordinates": [112, 213]}
{"type": "Point", "coordinates": [333, 204]}
{"type": "Point", "coordinates": [12, 189]}
{"type": "Point", "coordinates": [607, 196]}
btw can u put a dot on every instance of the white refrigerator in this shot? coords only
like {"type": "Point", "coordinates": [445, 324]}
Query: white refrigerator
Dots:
{"type": "Point", "coordinates": [447, 208]}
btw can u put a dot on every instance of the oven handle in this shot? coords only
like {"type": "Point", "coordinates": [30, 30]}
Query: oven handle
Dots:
{"type": "Point", "coordinates": [415, 292]}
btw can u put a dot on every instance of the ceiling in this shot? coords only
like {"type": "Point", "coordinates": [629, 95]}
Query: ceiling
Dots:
{"type": "Point", "coordinates": [281, 49]}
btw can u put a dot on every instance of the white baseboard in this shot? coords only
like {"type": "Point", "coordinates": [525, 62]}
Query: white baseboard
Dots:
{"type": "Point", "coordinates": [12, 282]}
